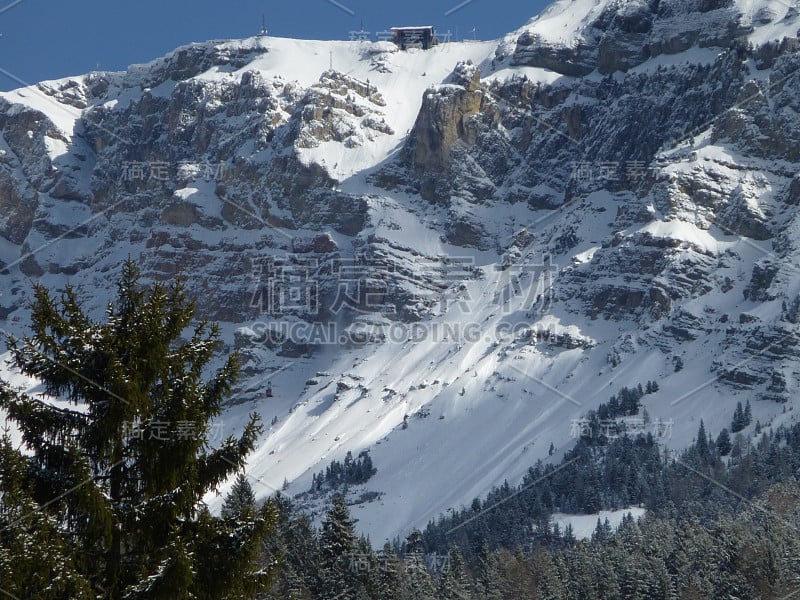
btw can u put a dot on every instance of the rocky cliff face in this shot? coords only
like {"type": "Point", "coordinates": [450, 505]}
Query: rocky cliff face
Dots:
{"type": "Point", "coordinates": [705, 147]}
{"type": "Point", "coordinates": [525, 224]}
{"type": "Point", "coordinates": [619, 36]}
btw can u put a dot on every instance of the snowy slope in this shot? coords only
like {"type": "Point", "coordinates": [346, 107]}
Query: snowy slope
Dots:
{"type": "Point", "coordinates": [495, 400]}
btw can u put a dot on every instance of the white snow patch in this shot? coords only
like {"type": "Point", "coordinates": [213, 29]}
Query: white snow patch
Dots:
{"type": "Point", "coordinates": [583, 526]}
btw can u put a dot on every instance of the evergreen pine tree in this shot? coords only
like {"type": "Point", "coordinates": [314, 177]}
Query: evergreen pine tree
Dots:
{"type": "Point", "coordinates": [747, 417]}
{"type": "Point", "coordinates": [454, 580]}
{"type": "Point", "coordinates": [605, 566]}
{"type": "Point", "coordinates": [35, 556]}
{"type": "Point", "coordinates": [737, 423]}
{"type": "Point", "coordinates": [295, 588]}
{"type": "Point", "coordinates": [702, 441]}
{"type": "Point", "coordinates": [338, 552]}
{"type": "Point", "coordinates": [124, 469]}
{"type": "Point", "coordinates": [416, 582]}
{"type": "Point", "coordinates": [600, 534]}
{"type": "Point", "coordinates": [241, 499]}
{"type": "Point", "coordinates": [385, 576]}
{"type": "Point", "coordinates": [579, 574]}
{"type": "Point", "coordinates": [487, 573]}
{"type": "Point", "coordinates": [415, 543]}
{"type": "Point", "coordinates": [547, 573]}
{"type": "Point", "coordinates": [569, 536]}
{"type": "Point", "coordinates": [724, 445]}
{"type": "Point", "coordinates": [302, 550]}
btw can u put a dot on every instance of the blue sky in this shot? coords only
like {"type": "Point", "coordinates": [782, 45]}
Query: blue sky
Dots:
{"type": "Point", "coordinates": [45, 40]}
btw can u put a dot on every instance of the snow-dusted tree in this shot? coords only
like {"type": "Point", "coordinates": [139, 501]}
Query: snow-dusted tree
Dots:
{"type": "Point", "coordinates": [240, 499]}
{"type": "Point", "coordinates": [602, 531]}
{"type": "Point", "coordinates": [454, 582]}
{"type": "Point", "coordinates": [339, 557]}
{"type": "Point", "coordinates": [384, 580]}
{"type": "Point", "coordinates": [741, 417]}
{"type": "Point", "coordinates": [35, 558]}
{"type": "Point", "coordinates": [702, 444]}
{"type": "Point", "coordinates": [488, 573]}
{"type": "Point", "coordinates": [724, 445]}
{"type": "Point", "coordinates": [122, 465]}
{"type": "Point", "coordinates": [416, 581]}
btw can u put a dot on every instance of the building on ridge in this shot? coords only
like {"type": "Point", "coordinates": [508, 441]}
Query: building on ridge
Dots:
{"type": "Point", "coordinates": [414, 37]}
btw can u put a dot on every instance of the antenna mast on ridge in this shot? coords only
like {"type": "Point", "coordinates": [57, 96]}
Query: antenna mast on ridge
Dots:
{"type": "Point", "coordinates": [359, 36]}
{"type": "Point", "coordinates": [263, 26]}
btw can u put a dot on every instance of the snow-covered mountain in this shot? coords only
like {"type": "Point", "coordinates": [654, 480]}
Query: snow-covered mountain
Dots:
{"type": "Point", "coordinates": [458, 252]}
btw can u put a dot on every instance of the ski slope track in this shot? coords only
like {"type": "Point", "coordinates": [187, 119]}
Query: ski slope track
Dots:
{"type": "Point", "coordinates": [605, 197]}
